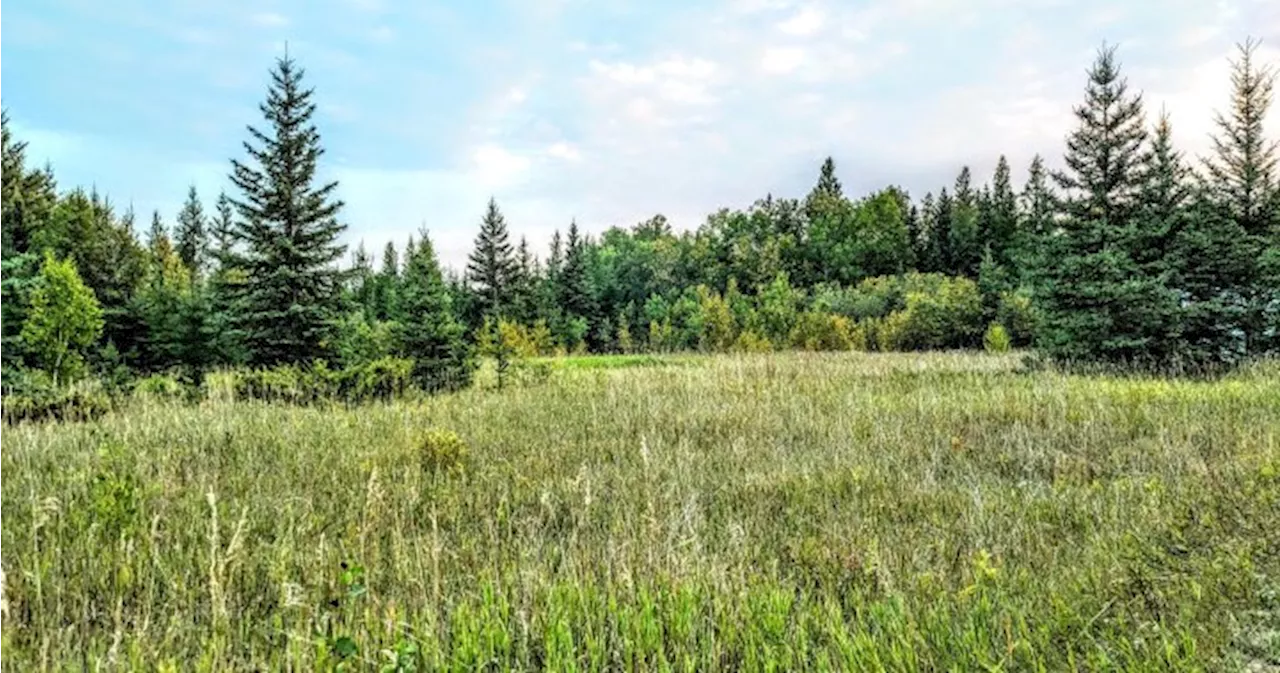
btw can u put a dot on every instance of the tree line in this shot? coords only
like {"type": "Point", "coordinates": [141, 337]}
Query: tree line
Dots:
{"type": "Point", "coordinates": [1131, 255]}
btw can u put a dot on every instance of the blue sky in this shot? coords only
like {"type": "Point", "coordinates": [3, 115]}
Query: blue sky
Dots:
{"type": "Point", "coordinates": [601, 110]}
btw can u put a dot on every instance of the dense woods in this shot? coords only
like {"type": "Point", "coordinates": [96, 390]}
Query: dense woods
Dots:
{"type": "Point", "coordinates": [1132, 255]}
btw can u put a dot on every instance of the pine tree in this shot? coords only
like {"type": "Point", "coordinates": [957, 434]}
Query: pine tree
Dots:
{"type": "Point", "coordinates": [523, 284]}
{"type": "Point", "coordinates": [429, 330]}
{"type": "Point", "coordinates": [387, 282]}
{"type": "Point", "coordinates": [158, 237]}
{"type": "Point", "coordinates": [190, 238]}
{"type": "Point", "coordinates": [1097, 302]}
{"type": "Point", "coordinates": [289, 228]}
{"type": "Point", "coordinates": [1001, 230]}
{"type": "Point", "coordinates": [12, 170]}
{"type": "Point", "coordinates": [225, 288]}
{"type": "Point", "coordinates": [963, 235]}
{"type": "Point", "coordinates": [490, 267]}
{"type": "Point", "coordinates": [363, 283]}
{"type": "Point", "coordinates": [828, 183]}
{"type": "Point", "coordinates": [1036, 218]}
{"type": "Point", "coordinates": [1243, 207]}
{"type": "Point", "coordinates": [1242, 172]}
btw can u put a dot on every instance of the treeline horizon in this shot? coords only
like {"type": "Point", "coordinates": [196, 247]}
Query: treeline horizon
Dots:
{"type": "Point", "coordinates": [1131, 255]}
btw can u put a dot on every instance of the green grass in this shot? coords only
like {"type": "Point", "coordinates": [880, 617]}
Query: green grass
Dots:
{"type": "Point", "coordinates": [850, 512]}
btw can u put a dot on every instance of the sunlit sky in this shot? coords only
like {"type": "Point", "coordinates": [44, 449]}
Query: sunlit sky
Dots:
{"type": "Point", "coordinates": [600, 110]}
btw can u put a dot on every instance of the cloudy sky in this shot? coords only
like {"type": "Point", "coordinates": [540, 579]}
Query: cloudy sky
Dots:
{"type": "Point", "coordinates": [606, 111]}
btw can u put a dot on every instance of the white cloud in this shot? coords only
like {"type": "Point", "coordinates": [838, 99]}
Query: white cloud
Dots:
{"type": "Point", "coordinates": [269, 19]}
{"type": "Point", "coordinates": [807, 22]}
{"type": "Point", "coordinates": [563, 150]}
{"type": "Point", "coordinates": [495, 165]}
{"type": "Point", "coordinates": [781, 60]}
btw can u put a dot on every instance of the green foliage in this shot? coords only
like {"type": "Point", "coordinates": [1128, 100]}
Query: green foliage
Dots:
{"type": "Point", "coordinates": [289, 228]}
{"type": "Point", "coordinates": [443, 453]}
{"type": "Point", "coordinates": [996, 339]}
{"type": "Point", "coordinates": [63, 321]}
{"type": "Point", "coordinates": [159, 387]}
{"type": "Point", "coordinates": [32, 396]}
{"type": "Point", "coordinates": [492, 268]}
{"type": "Point", "coordinates": [429, 331]}
{"type": "Point", "coordinates": [377, 380]}
{"type": "Point", "coordinates": [1099, 304]}
{"type": "Point", "coordinates": [950, 317]}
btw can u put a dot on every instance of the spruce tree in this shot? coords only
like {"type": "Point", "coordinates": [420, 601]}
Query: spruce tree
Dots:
{"type": "Point", "coordinates": [523, 286]}
{"type": "Point", "coordinates": [1242, 171]}
{"type": "Point", "coordinates": [1098, 304]}
{"type": "Point", "coordinates": [387, 283]}
{"type": "Point", "coordinates": [225, 288]}
{"type": "Point", "coordinates": [1001, 230]}
{"type": "Point", "coordinates": [828, 183]}
{"type": "Point", "coordinates": [491, 266]}
{"type": "Point", "coordinates": [429, 330]}
{"type": "Point", "coordinates": [1036, 215]}
{"type": "Point", "coordinates": [158, 237]}
{"type": "Point", "coordinates": [13, 237]}
{"type": "Point", "coordinates": [190, 238]}
{"type": "Point", "coordinates": [289, 227]}
{"type": "Point", "coordinates": [576, 301]}
{"type": "Point", "coordinates": [1243, 190]}
{"type": "Point", "coordinates": [963, 236]}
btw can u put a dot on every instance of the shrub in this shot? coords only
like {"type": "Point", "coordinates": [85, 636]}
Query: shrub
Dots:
{"type": "Point", "coordinates": [996, 340]}
{"type": "Point", "coordinates": [442, 452]}
{"type": "Point", "coordinates": [950, 317]}
{"type": "Point", "coordinates": [159, 387]}
{"type": "Point", "coordinates": [750, 342]}
{"type": "Point", "coordinates": [1016, 314]}
{"type": "Point", "coordinates": [816, 331]}
{"type": "Point", "coordinates": [31, 396]}
{"type": "Point", "coordinates": [381, 379]}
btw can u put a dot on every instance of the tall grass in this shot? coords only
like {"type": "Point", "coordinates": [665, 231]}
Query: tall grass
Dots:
{"type": "Point", "coordinates": [856, 512]}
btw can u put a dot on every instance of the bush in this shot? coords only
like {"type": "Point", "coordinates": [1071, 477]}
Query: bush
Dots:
{"type": "Point", "coordinates": [750, 342]}
{"type": "Point", "coordinates": [442, 452]}
{"type": "Point", "coordinates": [996, 340]}
{"type": "Point", "coordinates": [31, 396]}
{"type": "Point", "coordinates": [381, 379]}
{"type": "Point", "coordinates": [816, 331]}
{"type": "Point", "coordinates": [159, 387]}
{"type": "Point", "coordinates": [950, 317]}
{"type": "Point", "coordinates": [1015, 313]}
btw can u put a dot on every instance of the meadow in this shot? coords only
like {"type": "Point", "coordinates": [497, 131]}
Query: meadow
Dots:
{"type": "Point", "coordinates": [853, 511]}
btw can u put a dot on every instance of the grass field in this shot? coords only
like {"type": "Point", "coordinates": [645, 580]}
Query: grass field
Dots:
{"type": "Point", "coordinates": [940, 512]}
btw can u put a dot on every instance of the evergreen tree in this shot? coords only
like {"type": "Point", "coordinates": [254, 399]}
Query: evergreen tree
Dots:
{"type": "Point", "coordinates": [190, 238]}
{"type": "Point", "coordinates": [158, 241]}
{"type": "Point", "coordinates": [387, 283]}
{"type": "Point", "coordinates": [12, 171]}
{"type": "Point", "coordinates": [429, 331]}
{"type": "Point", "coordinates": [289, 228]}
{"type": "Point", "coordinates": [828, 183]}
{"type": "Point", "coordinates": [362, 282]}
{"type": "Point", "coordinates": [1242, 171]}
{"type": "Point", "coordinates": [1001, 229]}
{"type": "Point", "coordinates": [1098, 304]}
{"type": "Point", "coordinates": [491, 267]}
{"type": "Point", "coordinates": [225, 289]}
{"type": "Point", "coordinates": [1037, 218]}
{"type": "Point", "coordinates": [963, 235]}
{"type": "Point", "coordinates": [1240, 283]}
{"type": "Point", "coordinates": [523, 284]}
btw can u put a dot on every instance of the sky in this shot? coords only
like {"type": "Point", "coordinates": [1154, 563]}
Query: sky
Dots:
{"type": "Point", "coordinates": [603, 111]}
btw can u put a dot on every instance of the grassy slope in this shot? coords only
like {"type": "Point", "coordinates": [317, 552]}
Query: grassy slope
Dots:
{"type": "Point", "coordinates": [855, 511]}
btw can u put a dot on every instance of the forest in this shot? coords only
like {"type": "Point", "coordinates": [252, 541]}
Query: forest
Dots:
{"type": "Point", "coordinates": [1133, 256]}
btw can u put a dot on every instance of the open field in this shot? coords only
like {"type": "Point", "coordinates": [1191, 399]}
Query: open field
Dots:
{"type": "Point", "coordinates": [835, 512]}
